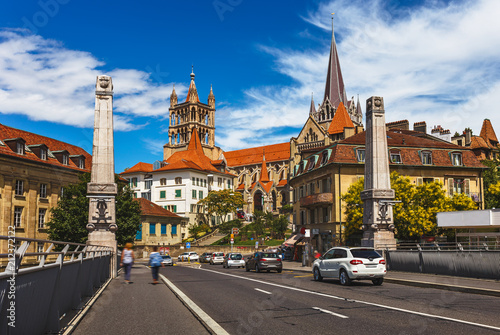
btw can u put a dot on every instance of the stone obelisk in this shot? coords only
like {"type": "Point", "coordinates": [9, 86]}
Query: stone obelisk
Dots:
{"type": "Point", "coordinates": [102, 189]}
{"type": "Point", "coordinates": [377, 196]}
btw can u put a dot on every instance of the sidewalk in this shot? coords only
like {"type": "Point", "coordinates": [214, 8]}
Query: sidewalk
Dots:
{"type": "Point", "coordinates": [458, 284]}
{"type": "Point", "coordinates": [165, 314]}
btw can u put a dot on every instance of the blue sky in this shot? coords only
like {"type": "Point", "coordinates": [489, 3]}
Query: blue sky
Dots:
{"type": "Point", "coordinates": [434, 61]}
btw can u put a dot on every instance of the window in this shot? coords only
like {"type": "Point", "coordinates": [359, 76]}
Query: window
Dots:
{"type": "Point", "coordinates": [458, 185]}
{"type": "Point", "coordinates": [456, 159]}
{"type": "Point", "coordinates": [326, 217]}
{"type": "Point", "coordinates": [148, 184]}
{"type": "Point", "coordinates": [204, 183]}
{"type": "Point", "coordinates": [229, 183]}
{"type": "Point", "coordinates": [146, 195]}
{"type": "Point", "coordinates": [19, 188]}
{"type": "Point", "coordinates": [163, 181]}
{"type": "Point", "coordinates": [138, 235]}
{"type": "Point", "coordinates": [312, 162]}
{"type": "Point", "coordinates": [193, 180]}
{"type": "Point", "coordinates": [152, 229]}
{"type": "Point", "coordinates": [396, 158]}
{"type": "Point", "coordinates": [200, 195]}
{"type": "Point", "coordinates": [81, 163]}
{"type": "Point", "coordinates": [133, 182]}
{"type": "Point", "coordinates": [174, 229]}
{"type": "Point", "coordinates": [163, 194]}
{"type": "Point", "coordinates": [219, 182]}
{"type": "Point", "coordinates": [324, 158]}
{"type": "Point", "coordinates": [174, 209]}
{"type": "Point", "coordinates": [20, 148]}
{"type": "Point", "coordinates": [163, 229]}
{"type": "Point", "coordinates": [360, 155]}
{"type": "Point", "coordinates": [65, 159]}
{"type": "Point", "coordinates": [62, 192]}
{"type": "Point", "coordinates": [135, 195]}
{"type": "Point", "coordinates": [193, 194]}
{"type": "Point", "coordinates": [43, 190]}
{"type": "Point", "coordinates": [193, 208]}
{"type": "Point", "coordinates": [43, 154]}
{"type": "Point", "coordinates": [178, 180]}
{"type": "Point", "coordinates": [178, 193]}
{"type": "Point", "coordinates": [426, 158]}
{"type": "Point", "coordinates": [41, 218]}
{"type": "Point", "coordinates": [18, 213]}
{"type": "Point", "coordinates": [197, 181]}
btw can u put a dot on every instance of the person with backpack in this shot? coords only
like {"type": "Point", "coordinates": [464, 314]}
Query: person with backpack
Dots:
{"type": "Point", "coordinates": [155, 261]}
{"type": "Point", "coordinates": [127, 261]}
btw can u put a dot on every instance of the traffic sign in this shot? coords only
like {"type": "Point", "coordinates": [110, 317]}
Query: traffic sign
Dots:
{"type": "Point", "coordinates": [236, 231]}
{"type": "Point", "coordinates": [188, 245]}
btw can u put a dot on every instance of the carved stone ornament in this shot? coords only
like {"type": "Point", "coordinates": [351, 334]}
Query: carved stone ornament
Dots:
{"type": "Point", "coordinates": [375, 104]}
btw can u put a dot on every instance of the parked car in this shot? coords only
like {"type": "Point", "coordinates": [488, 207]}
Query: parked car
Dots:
{"type": "Point", "coordinates": [217, 258]}
{"type": "Point", "coordinates": [191, 256]}
{"type": "Point", "coordinates": [233, 260]}
{"type": "Point", "coordinates": [206, 257]}
{"type": "Point", "coordinates": [167, 260]}
{"type": "Point", "coordinates": [348, 264]}
{"type": "Point", "coordinates": [240, 214]}
{"type": "Point", "coordinates": [261, 261]}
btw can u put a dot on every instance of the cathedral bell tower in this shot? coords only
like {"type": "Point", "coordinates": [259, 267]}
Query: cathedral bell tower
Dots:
{"type": "Point", "coordinates": [185, 116]}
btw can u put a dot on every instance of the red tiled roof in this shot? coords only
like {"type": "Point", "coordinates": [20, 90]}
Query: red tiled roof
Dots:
{"type": "Point", "coordinates": [149, 208]}
{"type": "Point", "coordinates": [478, 142]}
{"type": "Point", "coordinates": [266, 185]}
{"type": "Point", "coordinates": [264, 176]}
{"type": "Point", "coordinates": [340, 121]}
{"type": "Point", "coordinates": [52, 144]}
{"type": "Point", "coordinates": [488, 133]}
{"type": "Point", "coordinates": [139, 167]}
{"type": "Point", "coordinates": [192, 86]}
{"type": "Point", "coordinates": [282, 183]}
{"type": "Point", "coordinates": [274, 152]}
{"type": "Point", "coordinates": [241, 187]}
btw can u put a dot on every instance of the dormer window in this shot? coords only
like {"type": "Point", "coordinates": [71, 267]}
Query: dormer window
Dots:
{"type": "Point", "coordinates": [456, 158]}
{"type": "Point", "coordinates": [62, 156]}
{"type": "Point", "coordinates": [79, 160]}
{"type": "Point", "coordinates": [20, 148]}
{"type": "Point", "coordinates": [324, 158]}
{"type": "Point", "coordinates": [360, 155]}
{"type": "Point", "coordinates": [396, 157]}
{"type": "Point", "coordinates": [426, 157]}
{"type": "Point", "coordinates": [43, 154]}
{"type": "Point", "coordinates": [40, 150]}
{"type": "Point", "coordinates": [312, 162]}
{"type": "Point", "coordinates": [16, 145]}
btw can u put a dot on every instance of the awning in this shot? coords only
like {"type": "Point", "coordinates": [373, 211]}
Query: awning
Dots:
{"type": "Point", "coordinates": [292, 240]}
{"type": "Point", "coordinates": [303, 241]}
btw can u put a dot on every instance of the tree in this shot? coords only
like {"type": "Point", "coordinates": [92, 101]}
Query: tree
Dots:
{"type": "Point", "coordinates": [415, 215]}
{"type": "Point", "coordinates": [222, 202]}
{"type": "Point", "coordinates": [70, 217]}
{"type": "Point", "coordinates": [226, 227]}
{"type": "Point", "coordinates": [279, 226]}
{"type": "Point", "coordinates": [491, 179]}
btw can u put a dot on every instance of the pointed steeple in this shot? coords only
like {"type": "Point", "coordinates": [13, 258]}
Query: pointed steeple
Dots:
{"type": "Point", "coordinates": [340, 121]}
{"type": "Point", "coordinates": [264, 176]}
{"type": "Point", "coordinates": [192, 95]}
{"type": "Point", "coordinates": [194, 142]}
{"type": "Point", "coordinates": [334, 88]}
{"type": "Point", "coordinates": [359, 112]}
{"type": "Point", "coordinates": [211, 98]}
{"type": "Point", "coordinates": [312, 109]}
{"type": "Point", "coordinates": [173, 98]}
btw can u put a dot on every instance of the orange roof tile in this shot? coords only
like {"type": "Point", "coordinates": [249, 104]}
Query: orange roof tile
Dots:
{"type": "Point", "coordinates": [478, 142]}
{"type": "Point", "coordinates": [264, 176]}
{"type": "Point", "coordinates": [274, 152]}
{"type": "Point", "coordinates": [340, 121]}
{"type": "Point", "coordinates": [139, 167]}
{"type": "Point", "coordinates": [488, 133]}
{"type": "Point", "coordinates": [150, 208]}
{"type": "Point", "coordinates": [282, 183]}
{"type": "Point", "coordinates": [52, 145]}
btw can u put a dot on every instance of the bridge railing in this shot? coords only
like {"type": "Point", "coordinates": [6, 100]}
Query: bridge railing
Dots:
{"type": "Point", "coordinates": [37, 289]}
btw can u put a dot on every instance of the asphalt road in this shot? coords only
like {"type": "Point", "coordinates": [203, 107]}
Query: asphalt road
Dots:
{"type": "Point", "coordinates": [292, 303]}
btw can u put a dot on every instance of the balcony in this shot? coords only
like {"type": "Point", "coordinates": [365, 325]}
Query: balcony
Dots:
{"type": "Point", "coordinates": [309, 145]}
{"type": "Point", "coordinates": [316, 200]}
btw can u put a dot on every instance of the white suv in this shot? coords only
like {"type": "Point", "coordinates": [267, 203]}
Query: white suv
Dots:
{"type": "Point", "coordinates": [347, 264]}
{"type": "Point", "coordinates": [188, 256]}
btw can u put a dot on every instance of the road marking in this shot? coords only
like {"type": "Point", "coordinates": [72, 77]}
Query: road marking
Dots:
{"type": "Point", "coordinates": [358, 301]}
{"type": "Point", "coordinates": [258, 289]}
{"type": "Point", "coordinates": [207, 320]}
{"type": "Point", "coordinates": [309, 275]}
{"type": "Point", "coordinates": [330, 312]}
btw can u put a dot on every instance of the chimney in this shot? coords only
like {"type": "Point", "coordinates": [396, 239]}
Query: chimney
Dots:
{"type": "Point", "coordinates": [420, 127]}
{"type": "Point", "coordinates": [468, 136]}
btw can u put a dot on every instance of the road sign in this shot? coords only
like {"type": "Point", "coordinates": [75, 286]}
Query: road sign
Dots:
{"type": "Point", "coordinates": [188, 245]}
{"type": "Point", "coordinates": [236, 231]}
{"type": "Point", "coordinates": [257, 245]}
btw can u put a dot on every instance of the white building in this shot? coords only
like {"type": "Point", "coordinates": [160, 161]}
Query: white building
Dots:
{"type": "Point", "coordinates": [178, 183]}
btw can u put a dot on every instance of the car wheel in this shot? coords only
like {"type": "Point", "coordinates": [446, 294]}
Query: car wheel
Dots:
{"type": "Point", "coordinates": [279, 270]}
{"type": "Point", "coordinates": [257, 268]}
{"type": "Point", "coordinates": [317, 275]}
{"type": "Point", "coordinates": [247, 269]}
{"type": "Point", "coordinates": [344, 278]}
{"type": "Point", "coordinates": [378, 281]}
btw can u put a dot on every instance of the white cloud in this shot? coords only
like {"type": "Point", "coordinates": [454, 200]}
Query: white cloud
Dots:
{"type": "Point", "coordinates": [437, 63]}
{"type": "Point", "coordinates": [43, 80]}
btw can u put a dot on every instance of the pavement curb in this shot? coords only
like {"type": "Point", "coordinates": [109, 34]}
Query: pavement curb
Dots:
{"type": "Point", "coordinates": [454, 288]}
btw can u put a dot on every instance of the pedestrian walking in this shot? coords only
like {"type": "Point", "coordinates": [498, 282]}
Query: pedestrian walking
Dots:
{"type": "Point", "coordinates": [127, 261]}
{"type": "Point", "coordinates": [155, 261]}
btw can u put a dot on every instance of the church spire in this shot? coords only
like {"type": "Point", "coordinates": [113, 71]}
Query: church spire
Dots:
{"type": "Point", "coordinates": [312, 109]}
{"type": "Point", "coordinates": [211, 98]}
{"type": "Point", "coordinates": [173, 98]}
{"type": "Point", "coordinates": [359, 112]}
{"type": "Point", "coordinates": [264, 176]}
{"type": "Point", "coordinates": [192, 95]}
{"type": "Point", "coordinates": [334, 88]}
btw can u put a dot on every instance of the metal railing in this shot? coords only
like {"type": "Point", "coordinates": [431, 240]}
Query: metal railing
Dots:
{"type": "Point", "coordinates": [441, 246]}
{"type": "Point", "coordinates": [37, 289]}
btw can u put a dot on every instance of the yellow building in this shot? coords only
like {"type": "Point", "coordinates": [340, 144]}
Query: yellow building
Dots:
{"type": "Point", "coordinates": [323, 175]}
{"type": "Point", "coordinates": [34, 170]}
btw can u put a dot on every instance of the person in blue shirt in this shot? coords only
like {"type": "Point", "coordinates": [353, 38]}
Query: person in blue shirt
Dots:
{"type": "Point", "coordinates": [155, 261]}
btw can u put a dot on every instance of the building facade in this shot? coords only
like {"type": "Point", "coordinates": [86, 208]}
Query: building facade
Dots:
{"type": "Point", "coordinates": [34, 170]}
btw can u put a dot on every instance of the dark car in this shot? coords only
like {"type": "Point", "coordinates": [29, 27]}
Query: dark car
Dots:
{"type": "Point", "coordinates": [205, 257]}
{"type": "Point", "coordinates": [261, 261]}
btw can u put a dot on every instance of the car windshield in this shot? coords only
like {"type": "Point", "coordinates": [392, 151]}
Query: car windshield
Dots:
{"type": "Point", "coordinates": [269, 255]}
{"type": "Point", "coordinates": [165, 257]}
{"type": "Point", "coordinates": [218, 254]}
{"type": "Point", "coordinates": [365, 253]}
{"type": "Point", "coordinates": [236, 256]}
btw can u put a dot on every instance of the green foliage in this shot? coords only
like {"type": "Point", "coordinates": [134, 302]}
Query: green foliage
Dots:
{"type": "Point", "coordinates": [198, 231]}
{"type": "Point", "coordinates": [221, 203]}
{"type": "Point", "coordinates": [225, 227]}
{"type": "Point", "coordinates": [415, 215]}
{"type": "Point", "coordinates": [287, 209]}
{"type": "Point", "coordinates": [279, 226]}
{"type": "Point", "coordinates": [70, 217]}
{"type": "Point", "coordinates": [259, 223]}
{"type": "Point", "coordinates": [491, 181]}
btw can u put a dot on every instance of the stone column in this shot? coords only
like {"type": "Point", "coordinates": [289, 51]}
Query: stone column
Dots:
{"type": "Point", "coordinates": [102, 189]}
{"type": "Point", "coordinates": [377, 195]}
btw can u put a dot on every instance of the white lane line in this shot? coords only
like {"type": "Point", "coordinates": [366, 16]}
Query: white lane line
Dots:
{"type": "Point", "coordinates": [266, 292]}
{"type": "Point", "coordinates": [214, 326]}
{"type": "Point", "coordinates": [332, 313]}
{"type": "Point", "coordinates": [359, 301]}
